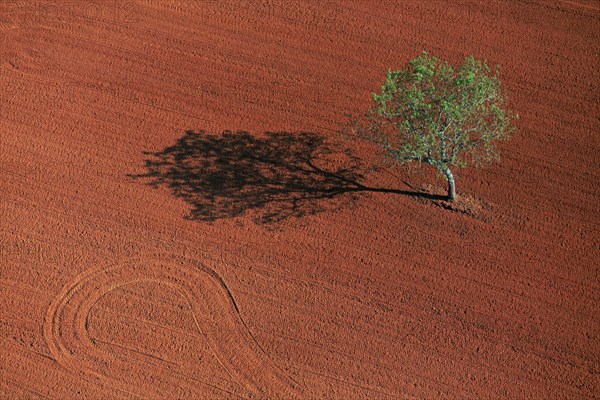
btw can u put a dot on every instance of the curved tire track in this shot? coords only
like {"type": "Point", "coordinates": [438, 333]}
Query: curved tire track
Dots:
{"type": "Point", "coordinates": [215, 314]}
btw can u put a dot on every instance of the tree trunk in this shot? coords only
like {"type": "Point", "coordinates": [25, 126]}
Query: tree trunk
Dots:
{"type": "Point", "coordinates": [451, 188]}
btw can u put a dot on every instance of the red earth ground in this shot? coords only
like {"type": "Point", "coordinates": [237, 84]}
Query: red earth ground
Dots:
{"type": "Point", "coordinates": [134, 266]}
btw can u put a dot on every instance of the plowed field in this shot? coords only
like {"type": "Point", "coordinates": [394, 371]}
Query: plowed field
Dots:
{"type": "Point", "coordinates": [178, 218]}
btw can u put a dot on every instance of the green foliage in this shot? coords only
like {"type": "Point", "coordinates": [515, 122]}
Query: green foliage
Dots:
{"type": "Point", "coordinates": [432, 113]}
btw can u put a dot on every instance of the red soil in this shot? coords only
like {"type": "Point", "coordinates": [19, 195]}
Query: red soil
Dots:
{"type": "Point", "coordinates": [109, 291]}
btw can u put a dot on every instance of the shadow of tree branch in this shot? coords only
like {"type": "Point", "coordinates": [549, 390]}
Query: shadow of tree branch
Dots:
{"type": "Point", "coordinates": [273, 176]}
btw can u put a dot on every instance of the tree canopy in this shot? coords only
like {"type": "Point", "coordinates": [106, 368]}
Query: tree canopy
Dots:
{"type": "Point", "coordinates": [429, 112]}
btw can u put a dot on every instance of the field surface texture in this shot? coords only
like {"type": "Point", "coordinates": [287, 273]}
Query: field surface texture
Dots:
{"type": "Point", "coordinates": [180, 217]}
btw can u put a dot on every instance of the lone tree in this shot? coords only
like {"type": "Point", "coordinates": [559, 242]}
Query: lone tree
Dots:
{"type": "Point", "coordinates": [431, 113]}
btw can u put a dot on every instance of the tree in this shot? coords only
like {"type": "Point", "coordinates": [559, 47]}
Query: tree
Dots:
{"type": "Point", "coordinates": [431, 113]}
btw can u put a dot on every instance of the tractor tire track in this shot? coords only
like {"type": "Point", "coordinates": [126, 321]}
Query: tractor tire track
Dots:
{"type": "Point", "coordinates": [215, 315]}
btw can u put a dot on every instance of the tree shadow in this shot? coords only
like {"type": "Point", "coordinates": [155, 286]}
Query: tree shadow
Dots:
{"type": "Point", "coordinates": [271, 177]}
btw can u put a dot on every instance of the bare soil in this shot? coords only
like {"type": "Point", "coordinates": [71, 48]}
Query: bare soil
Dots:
{"type": "Point", "coordinates": [178, 218]}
